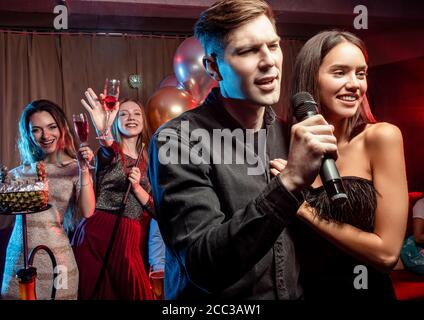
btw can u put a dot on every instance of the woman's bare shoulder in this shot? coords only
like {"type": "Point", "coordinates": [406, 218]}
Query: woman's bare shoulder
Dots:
{"type": "Point", "coordinates": [382, 134]}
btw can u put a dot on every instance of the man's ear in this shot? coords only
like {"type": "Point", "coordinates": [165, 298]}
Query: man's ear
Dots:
{"type": "Point", "coordinates": [211, 66]}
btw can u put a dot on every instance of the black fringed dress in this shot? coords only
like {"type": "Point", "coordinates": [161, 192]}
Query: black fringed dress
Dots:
{"type": "Point", "coordinates": [327, 272]}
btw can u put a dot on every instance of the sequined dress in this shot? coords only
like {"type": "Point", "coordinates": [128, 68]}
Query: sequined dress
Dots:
{"type": "Point", "coordinates": [46, 228]}
{"type": "Point", "coordinates": [328, 272]}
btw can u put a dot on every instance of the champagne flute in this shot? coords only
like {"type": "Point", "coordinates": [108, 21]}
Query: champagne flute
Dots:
{"type": "Point", "coordinates": [82, 129]}
{"type": "Point", "coordinates": [156, 282]}
{"type": "Point", "coordinates": [111, 92]}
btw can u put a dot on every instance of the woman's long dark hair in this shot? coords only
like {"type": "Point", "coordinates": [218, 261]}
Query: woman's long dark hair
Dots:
{"type": "Point", "coordinates": [29, 151]}
{"type": "Point", "coordinates": [305, 73]}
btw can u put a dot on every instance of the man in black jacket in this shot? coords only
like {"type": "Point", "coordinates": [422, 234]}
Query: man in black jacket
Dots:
{"type": "Point", "coordinates": [223, 217]}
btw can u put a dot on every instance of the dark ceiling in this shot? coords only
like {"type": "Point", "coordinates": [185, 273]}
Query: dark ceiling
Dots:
{"type": "Point", "coordinates": [296, 18]}
{"type": "Point", "coordinates": [391, 23]}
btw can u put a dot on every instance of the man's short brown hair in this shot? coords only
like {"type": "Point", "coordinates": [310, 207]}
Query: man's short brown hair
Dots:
{"type": "Point", "coordinates": [223, 16]}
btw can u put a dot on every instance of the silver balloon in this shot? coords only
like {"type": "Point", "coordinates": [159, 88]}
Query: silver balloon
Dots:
{"type": "Point", "coordinates": [189, 70]}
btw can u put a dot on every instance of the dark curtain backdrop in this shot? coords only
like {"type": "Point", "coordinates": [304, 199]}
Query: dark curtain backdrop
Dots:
{"type": "Point", "coordinates": [61, 67]}
{"type": "Point", "coordinates": [290, 50]}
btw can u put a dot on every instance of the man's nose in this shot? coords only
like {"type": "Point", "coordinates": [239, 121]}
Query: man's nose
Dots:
{"type": "Point", "coordinates": [267, 58]}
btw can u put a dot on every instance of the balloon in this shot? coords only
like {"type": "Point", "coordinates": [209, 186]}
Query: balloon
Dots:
{"type": "Point", "coordinates": [166, 104]}
{"type": "Point", "coordinates": [170, 81]}
{"type": "Point", "coordinates": [189, 69]}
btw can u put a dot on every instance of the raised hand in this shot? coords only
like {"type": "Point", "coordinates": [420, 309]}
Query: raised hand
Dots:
{"type": "Point", "coordinates": [98, 114]}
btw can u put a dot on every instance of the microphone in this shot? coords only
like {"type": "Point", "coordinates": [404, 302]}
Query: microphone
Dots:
{"type": "Point", "coordinates": [305, 107]}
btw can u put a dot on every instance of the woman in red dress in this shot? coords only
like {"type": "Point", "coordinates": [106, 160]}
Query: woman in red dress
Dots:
{"type": "Point", "coordinates": [126, 275]}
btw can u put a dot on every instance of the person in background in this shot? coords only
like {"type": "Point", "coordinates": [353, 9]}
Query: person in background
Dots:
{"type": "Point", "coordinates": [418, 222]}
{"type": "Point", "coordinates": [412, 252]}
{"type": "Point", "coordinates": [127, 270]}
{"type": "Point", "coordinates": [156, 248]}
{"type": "Point", "coordinates": [45, 136]}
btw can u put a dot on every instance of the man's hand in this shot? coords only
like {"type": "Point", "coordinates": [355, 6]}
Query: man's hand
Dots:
{"type": "Point", "coordinates": [311, 139]}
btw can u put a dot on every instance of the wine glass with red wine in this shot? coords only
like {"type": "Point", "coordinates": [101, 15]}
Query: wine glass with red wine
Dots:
{"type": "Point", "coordinates": [82, 129]}
{"type": "Point", "coordinates": [111, 92]}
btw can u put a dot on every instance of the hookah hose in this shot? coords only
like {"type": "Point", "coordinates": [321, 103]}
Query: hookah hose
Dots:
{"type": "Point", "coordinates": [54, 264]}
{"type": "Point", "coordinates": [96, 292]}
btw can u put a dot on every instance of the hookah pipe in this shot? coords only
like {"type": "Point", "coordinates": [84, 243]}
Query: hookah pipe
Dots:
{"type": "Point", "coordinates": [96, 292]}
{"type": "Point", "coordinates": [27, 275]}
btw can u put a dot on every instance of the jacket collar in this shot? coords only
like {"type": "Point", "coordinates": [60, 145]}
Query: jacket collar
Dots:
{"type": "Point", "coordinates": [215, 101]}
